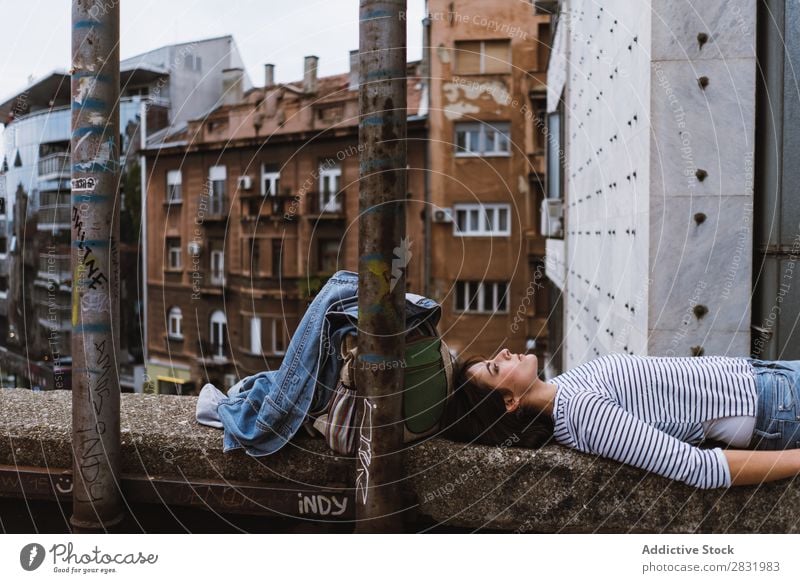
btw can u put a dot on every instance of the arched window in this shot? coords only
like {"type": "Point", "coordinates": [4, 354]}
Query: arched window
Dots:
{"type": "Point", "coordinates": [219, 325]}
{"type": "Point", "coordinates": [175, 323]}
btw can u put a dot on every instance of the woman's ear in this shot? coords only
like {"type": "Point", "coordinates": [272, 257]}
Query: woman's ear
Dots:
{"type": "Point", "coordinates": [510, 401]}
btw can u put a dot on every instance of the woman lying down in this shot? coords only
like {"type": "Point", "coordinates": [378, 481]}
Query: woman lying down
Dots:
{"type": "Point", "coordinates": [649, 412]}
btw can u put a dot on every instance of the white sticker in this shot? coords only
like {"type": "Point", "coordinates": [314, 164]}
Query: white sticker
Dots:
{"type": "Point", "coordinates": [84, 184]}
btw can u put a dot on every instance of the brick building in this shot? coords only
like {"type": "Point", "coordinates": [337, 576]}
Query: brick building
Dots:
{"type": "Point", "coordinates": [252, 205]}
{"type": "Point", "coordinates": [486, 160]}
{"type": "Point", "coordinates": [250, 209]}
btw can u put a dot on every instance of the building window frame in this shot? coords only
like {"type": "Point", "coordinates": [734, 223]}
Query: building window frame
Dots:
{"type": "Point", "coordinates": [174, 187]}
{"type": "Point", "coordinates": [174, 254]}
{"type": "Point", "coordinates": [255, 335]}
{"type": "Point", "coordinates": [175, 323]}
{"type": "Point", "coordinates": [217, 191]}
{"type": "Point", "coordinates": [218, 325]}
{"type": "Point", "coordinates": [330, 183]}
{"type": "Point", "coordinates": [270, 181]}
{"type": "Point", "coordinates": [494, 65]}
{"type": "Point", "coordinates": [473, 297]}
{"type": "Point", "coordinates": [278, 348]}
{"type": "Point", "coordinates": [498, 133]}
{"type": "Point", "coordinates": [477, 216]}
{"type": "Point", "coordinates": [217, 266]}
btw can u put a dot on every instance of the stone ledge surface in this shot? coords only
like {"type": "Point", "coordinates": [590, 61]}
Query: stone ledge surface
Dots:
{"type": "Point", "coordinates": [553, 489]}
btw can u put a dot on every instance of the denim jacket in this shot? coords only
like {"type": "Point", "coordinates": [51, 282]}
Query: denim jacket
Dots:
{"type": "Point", "coordinates": [263, 412]}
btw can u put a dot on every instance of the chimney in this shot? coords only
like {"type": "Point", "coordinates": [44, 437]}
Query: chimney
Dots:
{"type": "Point", "coordinates": [232, 90]}
{"type": "Point", "coordinates": [353, 70]}
{"type": "Point", "coordinates": [310, 74]}
{"type": "Point", "coordinates": [269, 75]}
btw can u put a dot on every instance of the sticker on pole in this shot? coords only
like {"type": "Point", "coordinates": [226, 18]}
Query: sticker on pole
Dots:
{"type": "Point", "coordinates": [84, 184]}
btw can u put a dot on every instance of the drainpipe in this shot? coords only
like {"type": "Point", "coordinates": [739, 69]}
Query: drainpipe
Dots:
{"type": "Point", "coordinates": [97, 500]}
{"type": "Point", "coordinates": [381, 268]}
{"type": "Point", "coordinates": [426, 51]}
{"type": "Point", "coordinates": [143, 225]}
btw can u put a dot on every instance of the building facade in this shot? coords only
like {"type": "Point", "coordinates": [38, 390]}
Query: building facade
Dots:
{"type": "Point", "coordinates": [36, 279]}
{"type": "Point", "coordinates": [250, 209]}
{"type": "Point", "coordinates": [651, 111]}
{"type": "Point", "coordinates": [486, 173]}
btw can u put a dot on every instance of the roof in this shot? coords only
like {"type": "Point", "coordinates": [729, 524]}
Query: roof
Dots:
{"type": "Point", "coordinates": [330, 89]}
{"type": "Point", "coordinates": [53, 89]}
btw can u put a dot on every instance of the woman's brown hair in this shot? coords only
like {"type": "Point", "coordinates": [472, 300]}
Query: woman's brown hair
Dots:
{"type": "Point", "coordinates": [475, 415]}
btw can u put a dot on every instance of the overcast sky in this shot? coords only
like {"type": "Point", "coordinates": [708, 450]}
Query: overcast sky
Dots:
{"type": "Point", "coordinates": [36, 33]}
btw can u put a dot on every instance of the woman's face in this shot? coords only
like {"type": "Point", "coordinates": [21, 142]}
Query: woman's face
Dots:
{"type": "Point", "coordinates": [515, 373]}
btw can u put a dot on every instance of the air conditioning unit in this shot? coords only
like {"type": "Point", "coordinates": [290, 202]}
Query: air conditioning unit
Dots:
{"type": "Point", "coordinates": [443, 215]}
{"type": "Point", "coordinates": [194, 248]}
{"type": "Point", "coordinates": [230, 380]}
{"type": "Point", "coordinates": [245, 183]}
{"type": "Point", "coordinates": [552, 215]}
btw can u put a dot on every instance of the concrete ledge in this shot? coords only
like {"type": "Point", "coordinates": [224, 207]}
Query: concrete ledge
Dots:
{"type": "Point", "coordinates": [554, 489]}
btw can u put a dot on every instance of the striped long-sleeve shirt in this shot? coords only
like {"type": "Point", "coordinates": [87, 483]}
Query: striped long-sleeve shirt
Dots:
{"type": "Point", "coordinates": [648, 411]}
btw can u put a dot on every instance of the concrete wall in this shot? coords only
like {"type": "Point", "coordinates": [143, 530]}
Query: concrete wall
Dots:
{"type": "Point", "coordinates": [648, 150]}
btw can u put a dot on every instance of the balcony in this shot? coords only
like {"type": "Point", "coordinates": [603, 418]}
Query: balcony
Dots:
{"type": "Point", "coordinates": [53, 218]}
{"type": "Point", "coordinates": [212, 208]}
{"type": "Point", "coordinates": [211, 353]}
{"type": "Point", "coordinates": [332, 208]}
{"type": "Point", "coordinates": [256, 207]}
{"type": "Point", "coordinates": [55, 267]}
{"type": "Point", "coordinates": [55, 167]}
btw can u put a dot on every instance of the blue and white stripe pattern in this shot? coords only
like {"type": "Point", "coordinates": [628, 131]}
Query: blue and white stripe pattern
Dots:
{"type": "Point", "coordinates": [647, 411]}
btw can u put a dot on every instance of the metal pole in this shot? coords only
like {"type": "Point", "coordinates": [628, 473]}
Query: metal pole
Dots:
{"type": "Point", "coordinates": [381, 265]}
{"type": "Point", "coordinates": [97, 501]}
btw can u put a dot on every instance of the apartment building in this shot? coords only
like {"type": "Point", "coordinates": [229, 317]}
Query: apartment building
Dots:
{"type": "Point", "coordinates": [250, 208]}
{"type": "Point", "coordinates": [35, 272]}
{"type": "Point", "coordinates": [488, 66]}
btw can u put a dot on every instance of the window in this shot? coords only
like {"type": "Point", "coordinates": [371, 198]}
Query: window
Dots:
{"type": "Point", "coordinates": [193, 62]}
{"type": "Point", "coordinates": [488, 220]}
{"type": "Point", "coordinates": [270, 180]}
{"type": "Point", "coordinates": [554, 162]}
{"type": "Point", "coordinates": [175, 323]}
{"type": "Point", "coordinates": [481, 297]}
{"type": "Point", "coordinates": [329, 177]}
{"type": "Point", "coordinates": [219, 331]}
{"type": "Point", "coordinates": [482, 139]}
{"type": "Point", "coordinates": [174, 186]}
{"type": "Point", "coordinates": [278, 336]}
{"type": "Point", "coordinates": [173, 253]}
{"type": "Point", "coordinates": [483, 56]}
{"type": "Point", "coordinates": [276, 257]}
{"type": "Point", "coordinates": [255, 256]}
{"type": "Point", "coordinates": [217, 176]}
{"type": "Point", "coordinates": [327, 255]}
{"type": "Point", "coordinates": [218, 267]}
{"type": "Point", "coordinates": [255, 335]}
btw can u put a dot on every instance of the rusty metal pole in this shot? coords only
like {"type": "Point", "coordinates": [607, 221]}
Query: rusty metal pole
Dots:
{"type": "Point", "coordinates": [381, 266]}
{"type": "Point", "coordinates": [97, 500]}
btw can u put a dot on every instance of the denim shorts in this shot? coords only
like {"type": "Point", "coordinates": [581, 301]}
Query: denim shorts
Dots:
{"type": "Point", "coordinates": [778, 411]}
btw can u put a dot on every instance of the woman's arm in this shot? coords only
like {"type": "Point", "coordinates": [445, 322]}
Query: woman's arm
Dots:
{"type": "Point", "coordinates": [754, 467]}
{"type": "Point", "coordinates": [600, 426]}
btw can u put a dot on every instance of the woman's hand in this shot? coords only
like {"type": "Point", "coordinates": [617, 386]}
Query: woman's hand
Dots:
{"type": "Point", "coordinates": [755, 467]}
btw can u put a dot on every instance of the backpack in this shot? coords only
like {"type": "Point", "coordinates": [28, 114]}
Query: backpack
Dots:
{"type": "Point", "coordinates": [427, 387]}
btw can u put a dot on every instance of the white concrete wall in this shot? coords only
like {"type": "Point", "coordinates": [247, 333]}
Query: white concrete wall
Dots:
{"type": "Point", "coordinates": [607, 152]}
{"type": "Point", "coordinates": [708, 265]}
{"type": "Point", "coordinates": [637, 261]}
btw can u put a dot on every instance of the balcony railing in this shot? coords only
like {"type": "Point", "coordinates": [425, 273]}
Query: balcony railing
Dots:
{"type": "Point", "coordinates": [213, 208]}
{"type": "Point", "coordinates": [323, 205]}
{"type": "Point", "coordinates": [55, 267]}
{"type": "Point", "coordinates": [211, 352]}
{"type": "Point", "coordinates": [55, 166]}
{"type": "Point", "coordinates": [53, 218]}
